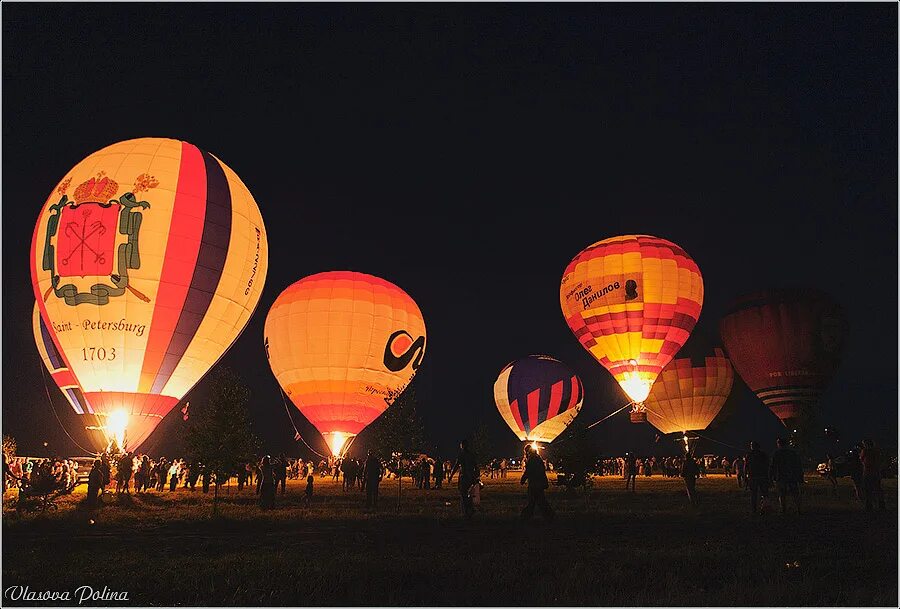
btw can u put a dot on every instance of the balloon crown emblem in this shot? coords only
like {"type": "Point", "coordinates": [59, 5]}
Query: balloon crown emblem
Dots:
{"type": "Point", "coordinates": [96, 190]}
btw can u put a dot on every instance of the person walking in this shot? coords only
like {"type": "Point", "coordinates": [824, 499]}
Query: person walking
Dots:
{"type": "Point", "coordinates": [786, 471]}
{"type": "Point", "coordinates": [373, 473]}
{"type": "Point", "coordinates": [756, 469]}
{"type": "Point", "coordinates": [438, 474]}
{"type": "Point", "coordinates": [870, 457]}
{"type": "Point", "coordinates": [95, 485]}
{"type": "Point", "coordinates": [535, 475]}
{"type": "Point", "coordinates": [467, 465]}
{"type": "Point", "coordinates": [689, 472]}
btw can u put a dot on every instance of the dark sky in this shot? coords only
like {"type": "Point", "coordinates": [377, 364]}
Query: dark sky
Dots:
{"type": "Point", "coordinates": [468, 152]}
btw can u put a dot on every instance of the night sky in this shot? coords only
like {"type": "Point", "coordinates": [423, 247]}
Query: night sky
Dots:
{"type": "Point", "coordinates": [467, 153]}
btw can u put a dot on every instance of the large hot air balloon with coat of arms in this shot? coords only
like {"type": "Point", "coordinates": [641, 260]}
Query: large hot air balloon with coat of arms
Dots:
{"type": "Point", "coordinates": [147, 261]}
{"type": "Point", "coordinates": [632, 301]}
{"type": "Point", "coordinates": [344, 345]}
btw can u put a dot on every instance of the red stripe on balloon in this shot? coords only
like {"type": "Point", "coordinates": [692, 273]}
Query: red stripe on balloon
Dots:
{"type": "Point", "coordinates": [533, 400]}
{"type": "Point", "coordinates": [556, 391]}
{"type": "Point", "coordinates": [185, 232]}
{"type": "Point", "coordinates": [514, 408]}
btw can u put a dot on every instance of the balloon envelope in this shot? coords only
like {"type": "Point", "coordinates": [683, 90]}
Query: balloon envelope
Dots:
{"type": "Point", "coordinates": [538, 396]}
{"type": "Point", "coordinates": [147, 261]}
{"type": "Point", "coordinates": [690, 391]}
{"type": "Point", "coordinates": [632, 301]}
{"type": "Point", "coordinates": [786, 344]}
{"type": "Point", "coordinates": [343, 346]}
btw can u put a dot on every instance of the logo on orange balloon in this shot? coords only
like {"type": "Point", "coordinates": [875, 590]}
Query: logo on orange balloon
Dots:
{"type": "Point", "coordinates": [401, 349]}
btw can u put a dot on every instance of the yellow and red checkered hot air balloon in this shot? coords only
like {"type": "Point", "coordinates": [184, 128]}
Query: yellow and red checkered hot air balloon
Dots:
{"type": "Point", "coordinates": [690, 391]}
{"type": "Point", "coordinates": [632, 301]}
{"type": "Point", "coordinates": [147, 261]}
{"type": "Point", "coordinates": [343, 346]}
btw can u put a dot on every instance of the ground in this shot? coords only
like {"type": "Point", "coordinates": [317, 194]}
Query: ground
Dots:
{"type": "Point", "coordinates": [609, 548]}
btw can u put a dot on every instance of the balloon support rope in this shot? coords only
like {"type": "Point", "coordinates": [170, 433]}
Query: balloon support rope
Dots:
{"type": "Point", "coordinates": [53, 408]}
{"type": "Point", "coordinates": [610, 415]}
{"type": "Point", "coordinates": [296, 431]}
{"type": "Point", "coordinates": [699, 435]}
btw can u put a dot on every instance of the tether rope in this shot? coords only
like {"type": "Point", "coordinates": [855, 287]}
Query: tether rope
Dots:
{"type": "Point", "coordinates": [53, 408]}
{"type": "Point", "coordinates": [296, 431]}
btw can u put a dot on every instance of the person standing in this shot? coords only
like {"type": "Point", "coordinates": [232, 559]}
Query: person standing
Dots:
{"type": "Point", "coordinates": [281, 473]}
{"type": "Point", "coordinates": [373, 473]}
{"type": "Point", "coordinates": [738, 465]}
{"type": "Point", "coordinates": [266, 484]}
{"type": "Point", "coordinates": [726, 467]}
{"type": "Point", "coordinates": [630, 470]}
{"type": "Point", "coordinates": [787, 473]}
{"type": "Point", "coordinates": [95, 485]}
{"type": "Point", "coordinates": [689, 472]}
{"type": "Point", "coordinates": [535, 474]}
{"type": "Point", "coordinates": [870, 457]}
{"type": "Point", "coordinates": [756, 469]}
{"type": "Point", "coordinates": [467, 465]}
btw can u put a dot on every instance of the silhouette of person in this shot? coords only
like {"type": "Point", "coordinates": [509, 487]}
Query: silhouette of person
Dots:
{"type": "Point", "coordinates": [536, 476]}
{"type": "Point", "coordinates": [787, 473]}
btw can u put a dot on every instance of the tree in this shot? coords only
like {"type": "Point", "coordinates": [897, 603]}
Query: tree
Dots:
{"type": "Point", "coordinates": [399, 430]}
{"type": "Point", "coordinates": [480, 444]}
{"type": "Point", "coordinates": [218, 436]}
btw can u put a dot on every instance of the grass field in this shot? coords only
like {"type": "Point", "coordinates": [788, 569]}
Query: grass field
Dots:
{"type": "Point", "coordinates": [608, 548]}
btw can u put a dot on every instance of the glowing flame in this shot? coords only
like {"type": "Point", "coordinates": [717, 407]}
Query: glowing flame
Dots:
{"type": "Point", "coordinates": [336, 441]}
{"type": "Point", "coordinates": [535, 446]}
{"type": "Point", "coordinates": [116, 423]}
{"type": "Point", "coordinates": [636, 388]}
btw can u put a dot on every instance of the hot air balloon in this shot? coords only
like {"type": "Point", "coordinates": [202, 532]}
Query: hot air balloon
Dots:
{"type": "Point", "coordinates": [343, 346]}
{"type": "Point", "coordinates": [632, 301]}
{"type": "Point", "coordinates": [147, 261]}
{"type": "Point", "coordinates": [690, 391]}
{"type": "Point", "coordinates": [786, 345]}
{"type": "Point", "coordinates": [538, 396]}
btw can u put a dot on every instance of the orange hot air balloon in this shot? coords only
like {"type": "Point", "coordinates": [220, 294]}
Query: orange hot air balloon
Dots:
{"type": "Point", "coordinates": [343, 346]}
{"type": "Point", "coordinates": [632, 301]}
{"type": "Point", "coordinates": [690, 391]}
{"type": "Point", "coordinates": [147, 261]}
{"type": "Point", "coordinates": [786, 344]}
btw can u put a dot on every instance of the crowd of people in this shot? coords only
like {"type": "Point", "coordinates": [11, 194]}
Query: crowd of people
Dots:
{"type": "Point", "coordinates": [56, 473]}
{"type": "Point", "coordinates": [755, 471]}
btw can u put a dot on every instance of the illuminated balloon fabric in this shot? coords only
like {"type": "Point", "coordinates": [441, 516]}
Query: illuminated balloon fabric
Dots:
{"type": "Point", "coordinates": [66, 382]}
{"type": "Point", "coordinates": [343, 345]}
{"type": "Point", "coordinates": [786, 345]}
{"type": "Point", "coordinates": [147, 261]}
{"type": "Point", "coordinates": [690, 392]}
{"type": "Point", "coordinates": [538, 396]}
{"type": "Point", "coordinates": [55, 365]}
{"type": "Point", "coordinates": [632, 301]}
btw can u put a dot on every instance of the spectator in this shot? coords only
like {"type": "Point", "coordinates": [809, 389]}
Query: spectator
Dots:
{"type": "Point", "coordinates": [787, 473]}
{"type": "Point", "coordinates": [870, 457]}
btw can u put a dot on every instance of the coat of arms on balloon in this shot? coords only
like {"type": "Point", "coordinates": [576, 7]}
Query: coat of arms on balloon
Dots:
{"type": "Point", "coordinates": [93, 235]}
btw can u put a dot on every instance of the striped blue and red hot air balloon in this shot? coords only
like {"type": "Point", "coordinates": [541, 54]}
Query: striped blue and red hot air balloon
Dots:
{"type": "Point", "coordinates": [538, 396]}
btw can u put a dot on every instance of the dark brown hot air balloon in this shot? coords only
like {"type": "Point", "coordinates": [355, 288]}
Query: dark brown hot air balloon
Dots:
{"type": "Point", "coordinates": [786, 345]}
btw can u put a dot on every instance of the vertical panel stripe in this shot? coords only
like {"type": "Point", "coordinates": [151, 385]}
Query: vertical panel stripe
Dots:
{"type": "Point", "coordinates": [182, 248]}
{"type": "Point", "coordinates": [207, 272]}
